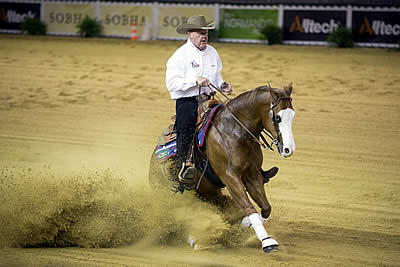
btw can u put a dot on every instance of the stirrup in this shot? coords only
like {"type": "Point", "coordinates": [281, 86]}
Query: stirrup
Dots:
{"type": "Point", "coordinates": [187, 176]}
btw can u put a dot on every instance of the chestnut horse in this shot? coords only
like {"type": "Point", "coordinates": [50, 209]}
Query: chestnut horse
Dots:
{"type": "Point", "coordinates": [235, 155]}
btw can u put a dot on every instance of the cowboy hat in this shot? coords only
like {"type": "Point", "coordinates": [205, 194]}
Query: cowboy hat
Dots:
{"type": "Point", "coordinates": [195, 23]}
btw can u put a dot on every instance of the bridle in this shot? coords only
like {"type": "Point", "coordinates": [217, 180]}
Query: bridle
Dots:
{"type": "Point", "coordinates": [275, 119]}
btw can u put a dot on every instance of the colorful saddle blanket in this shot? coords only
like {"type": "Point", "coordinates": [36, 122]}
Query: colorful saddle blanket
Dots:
{"type": "Point", "coordinates": [166, 151]}
{"type": "Point", "coordinates": [200, 158]}
{"type": "Point", "coordinates": [204, 127]}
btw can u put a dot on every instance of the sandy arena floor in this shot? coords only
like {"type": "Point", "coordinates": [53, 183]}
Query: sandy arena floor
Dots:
{"type": "Point", "coordinates": [79, 119]}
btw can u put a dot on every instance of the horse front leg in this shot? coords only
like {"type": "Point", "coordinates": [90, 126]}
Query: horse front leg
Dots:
{"type": "Point", "coordinates": [237, 190]}
{"type": "Point", "coordinates": [255, 187]}
{"type": "Point", "coordinates": [238, 193]}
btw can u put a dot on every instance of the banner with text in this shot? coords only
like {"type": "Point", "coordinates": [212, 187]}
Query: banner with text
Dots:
{"type": "Point", "coordinates": [12, 15]}
{"type": "Point", "coordinates": [245, 23]}
{"type": "Point", "coordinates": [169, 17]}
{"type": "Point", "coordinates": [376, 27]}
{"type": "Point", "coordinates": [117, 20]}
{"type": "Point", "coordinates": [299, 25]}
{"type": "Point", "coordinates": [64, 18]}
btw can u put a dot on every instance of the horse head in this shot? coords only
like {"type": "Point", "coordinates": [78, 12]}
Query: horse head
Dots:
{"type": "Point", "coordinates": [278, 120]}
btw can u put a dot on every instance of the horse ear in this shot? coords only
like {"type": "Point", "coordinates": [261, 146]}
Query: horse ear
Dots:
{"type": "Point", "coordinates": [288, 88]}
{"type": "Point", "coordinates": [274, 94]}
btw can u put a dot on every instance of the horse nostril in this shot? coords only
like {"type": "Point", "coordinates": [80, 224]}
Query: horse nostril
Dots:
{"type": "Point", "coordinates": [287, 150]}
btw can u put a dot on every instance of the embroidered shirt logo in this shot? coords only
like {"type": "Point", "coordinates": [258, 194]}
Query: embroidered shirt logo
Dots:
{"type": "Point", "coordinates": [194, 64]}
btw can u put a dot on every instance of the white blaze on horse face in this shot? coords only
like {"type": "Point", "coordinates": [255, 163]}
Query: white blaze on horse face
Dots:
{"type": "Point", "coordinates": [285, 127]}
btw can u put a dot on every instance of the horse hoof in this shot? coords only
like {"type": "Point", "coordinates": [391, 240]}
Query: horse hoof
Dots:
{"type": "Point", "coordinates": [269, 245]}
{"type": "Point", "coordinates": [192, 242]}
{"type": "Point", "coordinates": [271, 248]}
{"type": "Point", "coordinates": [269, 174]}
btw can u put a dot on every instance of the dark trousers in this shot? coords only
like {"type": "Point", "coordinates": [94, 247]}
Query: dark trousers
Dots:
{"type": "Point", "coordinates": [186, 116]}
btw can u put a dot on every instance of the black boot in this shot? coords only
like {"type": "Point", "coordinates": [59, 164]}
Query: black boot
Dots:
{"type": "Point", "coordinates": [269, 174]}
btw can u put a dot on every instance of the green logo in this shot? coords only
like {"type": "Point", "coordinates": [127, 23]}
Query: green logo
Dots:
{"type": "Point", "coordinates": [245, 23]}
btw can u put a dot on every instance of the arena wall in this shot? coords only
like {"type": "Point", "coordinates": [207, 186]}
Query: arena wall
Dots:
{"type": "Point", "coordinates": [304, 25]}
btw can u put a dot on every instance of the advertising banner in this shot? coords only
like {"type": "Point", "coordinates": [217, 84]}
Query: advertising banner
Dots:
{"type": "Point", "coordinates": [117, 20]}
{"type": "Point", "coordinates": [313, 25]}
{"type": "Point", "coordinates": [169, 17]}
{"type": "Point", "coordinates": [376, 27]}
{"type": "Point", "coordinates": [64, 18]}
{"type": "Point", "coordinates": [245, 23]}
{"type": "Point", "coordinates": [12, 15]}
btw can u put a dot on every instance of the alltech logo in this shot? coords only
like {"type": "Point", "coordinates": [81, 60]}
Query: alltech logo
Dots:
{"type": "Point", "coordinates": [378, 27]}
{"type": "Point", "coordinates": [13, 16]}
{"type": "Point", "coordinates": [310, 26]}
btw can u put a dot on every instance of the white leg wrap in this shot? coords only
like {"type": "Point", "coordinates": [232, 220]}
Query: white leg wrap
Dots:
{"type": "Point", "coordinates": [247, 224]}
{"type": "Point", "coordinates": [258, 227]}
{"type": "Point", "coordinates": [192, 242]}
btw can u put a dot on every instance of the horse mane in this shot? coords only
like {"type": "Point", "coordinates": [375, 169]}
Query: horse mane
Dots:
{"type": "Point", "coordinates": [248, 97]}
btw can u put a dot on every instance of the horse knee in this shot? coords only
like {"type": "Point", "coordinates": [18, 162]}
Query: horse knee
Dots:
{"type": "Point", "coordinates": [265, 212]}
{"type": "Point", "coordinates": [249, 210]}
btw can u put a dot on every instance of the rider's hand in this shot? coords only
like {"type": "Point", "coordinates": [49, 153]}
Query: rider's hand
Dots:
{"type": "Point", "coordinates": [226, 88]}
{"type": "Point", "coordinates": [202, 81]}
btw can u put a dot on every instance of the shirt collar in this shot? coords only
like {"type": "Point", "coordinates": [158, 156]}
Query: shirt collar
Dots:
{"type": "Point", "coordinates": [195, 48]}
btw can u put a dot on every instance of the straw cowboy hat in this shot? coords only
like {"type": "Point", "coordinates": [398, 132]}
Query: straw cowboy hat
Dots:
{"type": "Point", "coordinates": [195, 23]}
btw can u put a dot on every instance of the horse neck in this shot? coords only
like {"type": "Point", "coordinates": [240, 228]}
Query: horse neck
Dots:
{"type": "Point", "coordinates": [247, 108]}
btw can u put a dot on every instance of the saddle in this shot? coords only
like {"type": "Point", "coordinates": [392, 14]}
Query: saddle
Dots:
{"type": "Point", "coordinates": [166, 148]}
{"type": "Point", "coordinates": [169, 134]}
{"type": "Point", "coordinates": [205, 107]}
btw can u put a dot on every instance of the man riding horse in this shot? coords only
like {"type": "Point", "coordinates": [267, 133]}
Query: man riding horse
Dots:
{"type": "Point", "coordinates": [191, 70]}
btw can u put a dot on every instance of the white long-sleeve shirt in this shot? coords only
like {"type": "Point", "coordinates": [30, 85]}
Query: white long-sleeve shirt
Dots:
{"type": "Point", "coordinates": [186, 64]}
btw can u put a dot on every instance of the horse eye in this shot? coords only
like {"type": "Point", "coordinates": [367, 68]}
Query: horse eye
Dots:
{"type": "Point", "coordinates": [278, 119]}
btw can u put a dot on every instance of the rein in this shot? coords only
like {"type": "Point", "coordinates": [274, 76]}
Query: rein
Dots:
{"type": "Point", "coordinates": [264, 144]}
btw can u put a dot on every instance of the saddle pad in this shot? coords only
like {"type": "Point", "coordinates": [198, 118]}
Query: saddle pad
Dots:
{"type": "Point", "coordinates": [166, 151]}
{"type": "Point", "coordinates": [202, 132]}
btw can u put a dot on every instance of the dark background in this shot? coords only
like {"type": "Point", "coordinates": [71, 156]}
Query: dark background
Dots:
{"type": "Point", "coordinates": [391, 3]}
{"type": "Point", "coordinates": [21, 8]}
{"type": "Point", "coordinates": [318, 16]}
